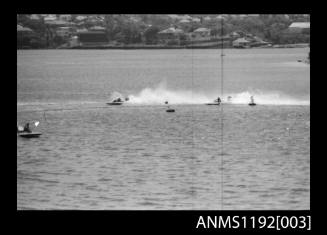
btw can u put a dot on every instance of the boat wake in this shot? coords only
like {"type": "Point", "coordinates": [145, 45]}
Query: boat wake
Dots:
{"type": "Point", "coordinates": [160, 94]}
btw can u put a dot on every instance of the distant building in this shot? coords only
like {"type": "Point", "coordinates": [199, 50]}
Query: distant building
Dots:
{"type": "Point", "coordinates": [49, 18]}
{"type": "Point", "coordinates": [97, 28]}
{"type": "Point", "coordinates": [24, 36]}
{"type": "Point", "coordinates": [170, 34]}
{"type": "Point", "coordinates": [80, 18]}
{"type": "Point", "coordinates": [185, 21]}
{"type": "Point", "coordinates": [65, 31]}
{"type": "Point", "coordinates": [73, 42]}
{"type": "Point", "coordinates": [241, 43]}
{"type": "Point", "coordinates": [34, 17]}
{"type": "Point", "coordinates": [299, 27]}
{"type": "Point", "coordinates": [65, 17]}
{"type": "Point", "coordinates": [201, 34]}
{"type": "Point", "coordinates": [235, 35]}
{"type": "Point", "coordinates": [23, 29]}
{"type": "Point", "coordinates": [81, 30]}
{"type": "Point", "coordinates": [58, 23]}
{"type": "Point", "coordinates": [196, 19]}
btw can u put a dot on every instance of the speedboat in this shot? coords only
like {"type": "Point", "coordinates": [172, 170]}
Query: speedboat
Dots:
{"type": "Point", "coordinates": [115, 103]}
{"type": "Point", "coordinates": [118, 101]}
{"type": "Point", "coordinates": [215, 102]}
{"type": "Point", "coordinates": [252, 102]}
{"type": "Point", "coordinates": [27, 133]}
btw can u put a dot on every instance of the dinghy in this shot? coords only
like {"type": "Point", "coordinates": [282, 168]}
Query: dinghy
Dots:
{"type": "Point", "coordinates": [26, 132]}
{"type": "Point", "coordinates": [169, 110]}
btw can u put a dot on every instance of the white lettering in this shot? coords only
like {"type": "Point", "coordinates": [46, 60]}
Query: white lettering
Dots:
{"type": "Point", "coordinates": [201, 222]}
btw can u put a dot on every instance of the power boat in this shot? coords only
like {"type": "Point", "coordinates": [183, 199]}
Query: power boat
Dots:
{"type": "Point", "coordinates": [115, 103]}
{"type": "Point", "coordinates": [169, 110]}
{"type": "Point", "coordinates": [118, 101]}
{"type": "Point", "coordinates": [252, 102]}
{"type": "Point", "coordinates": [215, 102]}
{"type": "Point", "coordinates": [26, 132]}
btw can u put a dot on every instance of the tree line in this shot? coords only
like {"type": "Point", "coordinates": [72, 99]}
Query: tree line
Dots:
{"type": "Point", "coordinates": [120, 28]}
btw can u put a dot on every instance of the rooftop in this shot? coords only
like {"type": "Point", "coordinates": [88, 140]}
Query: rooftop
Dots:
{"type": "Point", "coordinates": [23, 29]}
{"type": "Point", "coordinates": [171, 30]}
{"type": "Point", "coordinates": [202, 30]}
{"type": "Point", "coordinates": [241, 40]}
{"type": "Point", "coordinates": [303, 25]}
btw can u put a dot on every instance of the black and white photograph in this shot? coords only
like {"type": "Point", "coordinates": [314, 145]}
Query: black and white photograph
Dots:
{"type": "Point", "coordinates": [163, 112]}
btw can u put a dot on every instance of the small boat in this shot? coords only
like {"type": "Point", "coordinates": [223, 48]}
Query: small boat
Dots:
{"type": "Point", "coordinates": [115, 103]}
{"type": "Point", "coordinates": [118, 101]}
{"type": "Point", "coordinates": [169, 110]}
{"type": "Point", "coordinates": [30, 135]}
{"type": "Point", "coordinates": [215, 102]}
{"type": "Point", "coordinates": [252, 102]}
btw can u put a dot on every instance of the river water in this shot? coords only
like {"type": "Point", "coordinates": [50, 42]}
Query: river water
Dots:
{"type": "Point", "coordinates": [137, 156]}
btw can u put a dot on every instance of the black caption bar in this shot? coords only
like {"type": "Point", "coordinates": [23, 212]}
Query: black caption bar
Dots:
{"type": "Point", "coordinates": [183, 221]}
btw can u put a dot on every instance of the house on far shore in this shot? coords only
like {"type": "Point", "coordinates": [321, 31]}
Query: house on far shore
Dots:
{"type": "Point", "coordinates": [98, 28]}
{"type": "Point", "coordinates": [201, 34]}
{"type": "Point", "coordinates": [170, 35]}
{"type": "Point", "coordinates": [241, 43]}
{"type": "Point", "coordinates": [65, 31]}
{"type": "Point", "coordinates": [34, 17]}
{"type": "Point", "coordinates": [24, 36]}
{"type": "Point", "coordinates": [299, 27]}
{"type": "Point", "coordinates": [65, 17]}
{"type": "Point", "coordinates": [184, 21]}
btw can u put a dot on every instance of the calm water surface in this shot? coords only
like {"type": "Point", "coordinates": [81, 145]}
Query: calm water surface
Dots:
{"type": "Point", "coordinates": [137, 156]}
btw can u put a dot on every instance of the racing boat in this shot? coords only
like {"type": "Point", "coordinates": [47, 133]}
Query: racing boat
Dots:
{"type": "Point", "coordinates": [252, 102]}
{"type": "Point", "coordinates": [118, 101]}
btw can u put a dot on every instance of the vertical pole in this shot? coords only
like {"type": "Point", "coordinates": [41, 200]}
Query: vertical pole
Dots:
{"type": "Point", "coordinates": [222, 111]}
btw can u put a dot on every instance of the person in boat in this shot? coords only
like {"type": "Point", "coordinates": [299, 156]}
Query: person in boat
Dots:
{"type": "Point", "coordinates": [218, 100]}
{"type": "Point", "coordinates": [27, 128]}
{"type": "Point", "coordinates": [117, 100]}
{"type": "Point", "coordinates": [252, 99]}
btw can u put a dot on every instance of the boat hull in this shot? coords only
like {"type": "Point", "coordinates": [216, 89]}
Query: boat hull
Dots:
{"type": "Point", "coordinates": [30, 135]}
{"type": "Point", "coordinates": [212, 104]}
{"type": "Point", "coordinates": [115, 103]}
